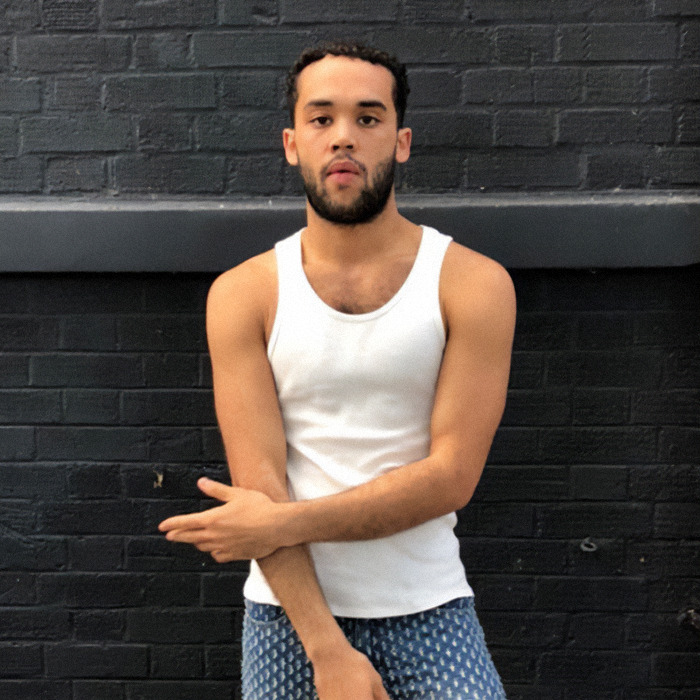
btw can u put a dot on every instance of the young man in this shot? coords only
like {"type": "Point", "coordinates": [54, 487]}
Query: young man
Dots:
{"type": "Point", "coordinates": [360, 373]}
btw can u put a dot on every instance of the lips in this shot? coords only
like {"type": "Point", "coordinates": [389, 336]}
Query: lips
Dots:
{"type": "Point", "coordinates": [343, 170]}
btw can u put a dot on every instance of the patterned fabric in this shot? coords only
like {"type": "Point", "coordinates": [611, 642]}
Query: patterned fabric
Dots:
{"type": "Point", "coordinates": [439, 654]}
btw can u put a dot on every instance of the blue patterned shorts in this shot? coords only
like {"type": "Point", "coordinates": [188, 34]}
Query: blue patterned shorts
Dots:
{"type": "Point", "coordinates": [438, 654]}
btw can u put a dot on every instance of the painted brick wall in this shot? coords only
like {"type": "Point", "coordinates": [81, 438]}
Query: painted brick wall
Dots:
{"type": "Point", "coordinates": [183, 97]}
{"type": "Point", "coordinates": [582, 540]}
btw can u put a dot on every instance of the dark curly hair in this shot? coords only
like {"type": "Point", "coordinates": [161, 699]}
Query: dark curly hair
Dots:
{"type": "Point", "coordinates": [351, 50]}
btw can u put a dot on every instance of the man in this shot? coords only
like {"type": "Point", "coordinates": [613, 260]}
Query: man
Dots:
{"type": "Point", "coordinates": [360, 373]}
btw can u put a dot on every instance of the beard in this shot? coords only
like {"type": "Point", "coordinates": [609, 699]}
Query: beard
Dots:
{"type": "Point", "coordinates": [368, 204]}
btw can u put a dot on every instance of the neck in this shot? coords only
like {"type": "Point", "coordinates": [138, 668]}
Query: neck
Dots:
{"type": "Point", "coordinates": [357, 242]}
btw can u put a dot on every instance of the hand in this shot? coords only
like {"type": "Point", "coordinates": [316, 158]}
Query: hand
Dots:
{"type": "Point", "coordinates": [242, 528]}
{"type": "Point", "coordinates": [351, 676]}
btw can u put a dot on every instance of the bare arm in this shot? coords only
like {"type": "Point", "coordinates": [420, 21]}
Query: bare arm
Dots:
{"type": "Point", "coordinates": [238, 312]}
{"type": "Point", "coordinates": [479, 308]}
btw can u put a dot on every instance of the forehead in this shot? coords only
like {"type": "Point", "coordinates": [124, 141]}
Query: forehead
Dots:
{"type": "Point", "coordinates": [340, 78]}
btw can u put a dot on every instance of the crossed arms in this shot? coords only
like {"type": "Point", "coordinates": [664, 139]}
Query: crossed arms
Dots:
{"type": "Point", "coordinates": [257, 520]}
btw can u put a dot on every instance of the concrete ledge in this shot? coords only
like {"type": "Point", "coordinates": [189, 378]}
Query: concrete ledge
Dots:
{"type": "Point", "coordinates": [612, 230]}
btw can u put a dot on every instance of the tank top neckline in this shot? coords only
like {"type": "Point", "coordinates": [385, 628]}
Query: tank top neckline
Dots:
{"type": "Point", "coordinates": [369, 315]}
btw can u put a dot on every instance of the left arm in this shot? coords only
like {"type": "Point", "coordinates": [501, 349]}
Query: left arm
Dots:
{"type": "Point", "coordinates": [478, 304]}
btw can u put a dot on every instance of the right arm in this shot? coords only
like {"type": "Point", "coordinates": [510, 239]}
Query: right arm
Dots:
{"type": "Point", "coordinates": [240, 309]}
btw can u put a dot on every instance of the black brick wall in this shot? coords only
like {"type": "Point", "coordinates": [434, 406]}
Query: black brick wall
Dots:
{"type": "Point", "coordinates": [582, 541]}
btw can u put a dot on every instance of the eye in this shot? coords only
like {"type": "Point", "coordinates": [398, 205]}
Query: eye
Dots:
{"type": "Point", "coordinates": [321, 121]}
{"type": "Point", "coordinates": [368, 120]}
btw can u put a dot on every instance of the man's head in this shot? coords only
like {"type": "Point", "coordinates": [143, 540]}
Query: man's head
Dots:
{"type": "Point", "coordinates": [350, 50]}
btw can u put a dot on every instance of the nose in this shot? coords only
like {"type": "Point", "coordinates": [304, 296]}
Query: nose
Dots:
{"type": "Point", "coordinates": [343, 136]}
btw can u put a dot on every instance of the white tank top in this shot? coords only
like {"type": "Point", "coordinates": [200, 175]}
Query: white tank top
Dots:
{"type": "Point", "coordinates": [356, 393]}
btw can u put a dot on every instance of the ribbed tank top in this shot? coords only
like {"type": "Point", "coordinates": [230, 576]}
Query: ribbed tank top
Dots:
{"type": "Point", "coordinates": [356, 393]}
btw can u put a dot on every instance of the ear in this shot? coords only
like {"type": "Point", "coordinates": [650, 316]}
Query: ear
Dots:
{"type": "Point", "coordinates": [290, 146]}
{"type": "Point", "coordinates": [403, 144]}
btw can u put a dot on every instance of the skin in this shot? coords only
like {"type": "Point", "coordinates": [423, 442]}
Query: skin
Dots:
{"type": "Point", "coordinates": [345, 117]}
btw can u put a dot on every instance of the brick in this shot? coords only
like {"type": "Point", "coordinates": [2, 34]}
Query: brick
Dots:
{"type": "Point", "coordinates": [430, 45]}
{"type": "Point", "coordinates": [594, 520]}
{"type": "Point", "coordinates": [528, 45]}
{"type": "Point", "coordinates": [497, 520]}
{"type": "Point", "coordinates": [676, 670]}
{"type": "Point", "coordinates": [432, 172]}
{"type": "Point", "coordinates": [86, 370]}
{"type": "Point", "coordinates": [600, 483]}
{"type": "Point", "coordinates": [522, 483]}
{"type": "Point", "coordinates": [683, 328]}
{"type": "Point", "coordinates": [539, 630]}
{"type": "Point", "coordinates": [682, 369]}
{"type": "Point", "coordinates": [76, 133]}
{"type": "Point", "coordinates": [35, 623]}
{"type": "Point", "coordinates": [96, 661]}
{"type": "Point", "coordinates": [243, 131]}
{"type": "Point", "coordinates": [16, 16]}
{"type": "Point", "coordinates": [675, 8]}
{"type": "Point", "coordinates": [88, 332]}
{"type": "Point", "coordinates": [681, 407]}
{"type": "Point", "coordinates": [276, 49]}
{"type": "Point", "coordinates": [180, 626]}
{"type": "Point", "coordinates": [558, 85]}
{"type": "Point", "coordinates": [679, 444]}
{"type": "Point", "coordinates": [659, 633]}
{"type": "Point", "coordinates": [177, 661]}
{"type": "Point", "coordinates": [614, 126]}
{"type": "Point", "coordinates": [667, 84]}
{"type": "Point", "coordinates": [617, 42]}
{"type": "Point", "coordinates": [534, 408]}
{"type": "Point", "coordinates": [633, 369]}
{"type": "Point", "coordinates": [292, 11]}
{"type": "Point", "coordinates": [157, 554]}
{"type": "Point", "coordinates": [90, 481]}
{"type": "Point", "coordinates": [223, 589]}
{"type": "Point", "coordinates": [99, 625]}
{"type": "Point", "coordinates": [513, 446]}
{"type": "Point", "coordinates": [601, 407]}
{"type": "Point", "coordinates": [181, 690]}
{"type": "Point", "coordinates": [247, 88]}
{"type": "Point", "coordinates": [162, 333]}
{"type": "Point", "coordinates": [81, 93]}
{"type": "Point", "coordinates": [665, 483]}
{"type": "Point", "coordinates": [20, 660]}
{"type": "Point", "coordinates": [35, 690]}
{"type": "Point", "coordinates": [28, 333]}
{"type": "Point", "coordinates": [32, 553]}
{"type": "Point", "coordinates": [534, 168]}
{"type": "Point", "coordinates": [90, 590]}
{"type": "Point", "coordinates": [690, 42]}
{"type": "Point", "coordinates": [527, 128]}
{"type": "Point", "coordinates": [32, 481]}
{"type": "Point", "coordinates": [248, 12]}
{"type": "Point", "coordinates": [620, 167]}
{"type": "Point", "coordinates": [87, 294]}
{"type": "Point", "coordinates": [526, 370]}
{"type": "Point", "coordinates": [588, 594]}
{"type": "Point", "coordinates": [194, 407]}
{"type": "Point", "coordinates": [169, 590]}
{"type": "Point", "coordinates": [69, 14]}
{"type": "Point", "coordinates": [596, 631]}
{"type": "Point", "coordinates": [90, 407]}
{"type": "Point", "coordinates": [256, 174]}
{"type": "Point", "coordinates": [607, 560]}
{"type": "Point", "coordinates": [161, 92]}
{"type": "Point", "coordinates": [433, 88]}
{"type": "Point", "coordinates": [20, 94]}
{"type": "Point", "coordinates": [689, 125]}
{"type": "Point", "coordinates": [91, 443]}
{"type": "Point", "coordinates": [614, 85]}
{"type": "Point", "coordinates": [176, 444]}
{"type": "Point", "coordinates": [222, 661]}
{"type": "Point", "coordinates": [75, 175]}
{"type": "Point", "coordinates": [680, 166]}
{"type": "Point", "coordinates": [507, 593]}
{"type": "Point", "coordinates": [175, 174]}
{"type": "Point", "coordinates": [598, 445]}
{"type": "Point", "coordinates": [17, 589]}
{"type": "Point", "coordinates": [166, 51]}
{"type": "Point", "coordinates": [422, 11]}
{"type": "Point", "coordinates": [23, 407]}
{"type": "Point", "coordinates": [20, 175]}
{"type": "Point", "coordinates": [465, 129]}
{"type": "Point", "coordinates": [132, 14]}
{"type": "Point", "coordinates": [599, 668]}
{"type": "Point", "coordinates": [671, 595]}
{"type": "Point", "coordinates": [171, 369]}
{"type": "Point", "coordinates": [105, 690]}
{"type": "Point", "coordinates": [96, 553]}
{"type": "Point", "coordinates": [165, 132]}
{"type": "Point", "coordinates": [657, 559]}
{"type": "Point", "coordinates": [9, 135]}
{"type": "Point", "coordinates": [522, 556]}
{"type": "Point", "coordinates": [543, 331]}
{"type": "Point", "coordinates": [60, 53]}
{"type": "Point", "coordinates": [16, 443]}
{"type": "Point", "coordinates": [498, 85]}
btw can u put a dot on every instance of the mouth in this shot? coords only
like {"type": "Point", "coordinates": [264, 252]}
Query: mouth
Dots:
{"type": "Point", "coordinates": [343, 170]}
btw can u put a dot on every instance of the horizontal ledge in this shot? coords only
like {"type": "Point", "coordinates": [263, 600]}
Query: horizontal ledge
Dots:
{"type": "Point", "coordinates": [612, 230]}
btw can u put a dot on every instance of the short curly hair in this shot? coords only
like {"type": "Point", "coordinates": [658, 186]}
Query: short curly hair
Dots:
{"type": "Point", "coordinates": [351, 50]}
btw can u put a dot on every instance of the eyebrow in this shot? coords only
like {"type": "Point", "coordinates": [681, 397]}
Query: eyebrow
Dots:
{"type": "Point", "coordinates": [365, 104]}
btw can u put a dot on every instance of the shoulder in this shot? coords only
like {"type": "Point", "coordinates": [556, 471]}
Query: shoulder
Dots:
{"type": "Point", "coordinates": [243, 298]}
{"type": "Point", "coordinates": [476, 290]}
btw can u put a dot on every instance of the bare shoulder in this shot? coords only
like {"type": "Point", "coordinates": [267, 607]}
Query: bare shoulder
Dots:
{"type": "Point", "coordinates": [476, 289]}
{"type": "Point", "coordinates": [243, 298]}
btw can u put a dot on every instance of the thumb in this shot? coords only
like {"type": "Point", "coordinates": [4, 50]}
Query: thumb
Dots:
{"type": "Point", "coordinates": [214, 489]}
